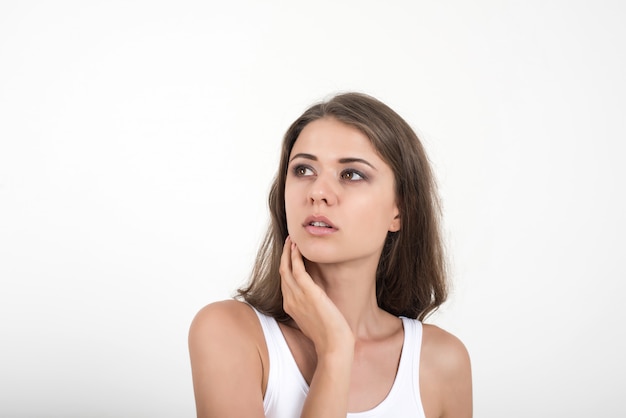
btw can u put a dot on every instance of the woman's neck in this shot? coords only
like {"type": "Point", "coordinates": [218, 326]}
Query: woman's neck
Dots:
{"type": "Point", "coordinates": [353, 290]}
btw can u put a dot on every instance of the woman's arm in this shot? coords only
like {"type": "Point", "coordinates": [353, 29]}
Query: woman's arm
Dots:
{"type": "Point", "coordinates": [226, 362]}
{"type": "Point", "coordinates": [320, 320]}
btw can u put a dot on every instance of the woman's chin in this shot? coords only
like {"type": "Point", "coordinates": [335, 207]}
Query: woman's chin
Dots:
{"type": "Point", "coordinates": [318, 257]}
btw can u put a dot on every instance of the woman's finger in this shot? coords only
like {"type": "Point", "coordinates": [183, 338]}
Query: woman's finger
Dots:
{"type": "Point", "coordinates": [297, 266]}
{"type": "Point", "coordinates": [285, 266]}
{"type": "Point", "coordinates": [285, 258]}
{"type": "Point", "coordinates": [289, 284]}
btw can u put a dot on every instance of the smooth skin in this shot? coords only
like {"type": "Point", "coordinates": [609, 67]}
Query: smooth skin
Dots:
{"type": "Point", "coordinates": [346, 347]}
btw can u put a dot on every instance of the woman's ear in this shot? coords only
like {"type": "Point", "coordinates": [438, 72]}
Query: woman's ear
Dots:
{"type": "Point", "coordinates": [395, 223]}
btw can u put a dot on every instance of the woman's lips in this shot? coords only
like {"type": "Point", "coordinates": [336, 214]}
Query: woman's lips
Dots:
{"type": "Point", "coordinates": [319, 225]}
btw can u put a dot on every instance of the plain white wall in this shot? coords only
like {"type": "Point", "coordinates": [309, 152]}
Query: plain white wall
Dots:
{"type": "Point", "coordinates": [138, 140]}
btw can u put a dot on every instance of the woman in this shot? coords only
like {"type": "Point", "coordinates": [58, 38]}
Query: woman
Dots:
{"type": "Point", "coordinates": [330, 323]}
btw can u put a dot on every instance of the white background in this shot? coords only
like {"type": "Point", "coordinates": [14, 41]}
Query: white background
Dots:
{"type": "Point", "coordinates": [138, 140]}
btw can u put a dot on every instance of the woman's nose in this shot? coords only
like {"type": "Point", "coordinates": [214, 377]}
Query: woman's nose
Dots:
{"type": "Point", "coordinates": [322, 191]}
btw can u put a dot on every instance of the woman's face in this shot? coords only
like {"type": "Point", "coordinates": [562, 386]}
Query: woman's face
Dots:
{"type": "Point", "coordinates": [339, 195]}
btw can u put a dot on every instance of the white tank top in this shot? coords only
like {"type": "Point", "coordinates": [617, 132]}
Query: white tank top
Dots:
{"type": "Point", "coordinates": [287, 389]}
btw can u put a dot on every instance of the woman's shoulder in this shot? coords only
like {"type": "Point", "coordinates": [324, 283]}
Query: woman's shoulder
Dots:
{"type": "Point", "coordinates": [226, 328]}
{"type": "Point", "coordinates": [445, 365]}
{"type": "Point", "coordinates": [443, 349]}
{"type": "Point", "coordinates": [227, 317]}
{"type": "Point", "coordinates": [226, 349]}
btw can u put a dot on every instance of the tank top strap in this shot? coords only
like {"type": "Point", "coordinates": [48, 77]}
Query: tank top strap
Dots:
{"type": "Point", "coordinates": [412, 350]}
{"type": "Point", "coordinates": [285, 384]}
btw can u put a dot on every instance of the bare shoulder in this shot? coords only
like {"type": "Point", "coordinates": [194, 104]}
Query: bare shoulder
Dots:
{"type": "Point", "coordinates": [445, 371]}
{"type": "Point", "coordinates": [226, 347]}
{"type": "Point", "coordinates": [224, 330]}
{"type": "Point", "coordinates": [224, 317]}
{"type": "Point", "coordinates": [443, 350]}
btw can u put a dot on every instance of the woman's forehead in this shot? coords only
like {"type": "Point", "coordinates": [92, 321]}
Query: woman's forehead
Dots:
{"type": "Point", "coordinates": [332, 138]}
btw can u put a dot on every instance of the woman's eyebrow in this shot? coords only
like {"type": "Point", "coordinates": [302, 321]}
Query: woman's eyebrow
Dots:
{"type": "Point", "coordinates": [341, 160]}
{"type": "Point", "coordinates": [303, 155]}
{"type": "Point", "coordinates": [356, 160]}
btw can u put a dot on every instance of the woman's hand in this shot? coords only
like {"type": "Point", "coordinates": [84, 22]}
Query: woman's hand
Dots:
{"type": "Point", "coordinates": [307, 303]}
{"type": "Point", "coordinates": [322, 322]}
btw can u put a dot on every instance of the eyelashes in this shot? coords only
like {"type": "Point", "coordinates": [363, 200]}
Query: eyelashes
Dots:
{"type": "Point", "coordinates": [348, 174]}
{"type": "Point", "coordinates": [302, 171]}
{"type": "Point", "coordinates": [352, 175]}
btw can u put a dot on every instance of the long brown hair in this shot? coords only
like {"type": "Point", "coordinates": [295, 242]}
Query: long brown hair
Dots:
{"type": "Point", "coordinates": [411, 273]}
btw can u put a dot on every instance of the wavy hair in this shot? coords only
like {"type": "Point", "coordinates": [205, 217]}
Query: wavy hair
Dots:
{"type": "Point", "coordinates": [411, 273]}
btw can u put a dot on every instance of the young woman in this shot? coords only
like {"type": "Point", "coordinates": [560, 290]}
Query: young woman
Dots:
{"type": "Point", "coordinates": [330, 322]}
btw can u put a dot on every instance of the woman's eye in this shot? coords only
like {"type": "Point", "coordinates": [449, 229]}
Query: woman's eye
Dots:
{"type": "Point", "coordinates": [302, 171]}
{"type": "Point", "coordinates": [352, 175]}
